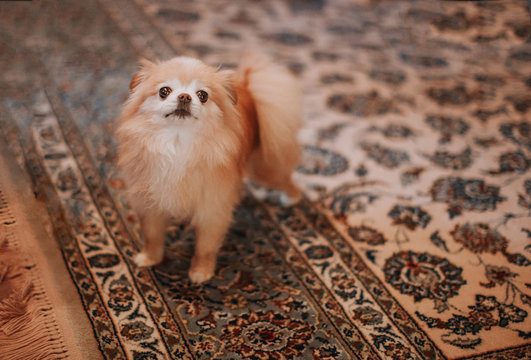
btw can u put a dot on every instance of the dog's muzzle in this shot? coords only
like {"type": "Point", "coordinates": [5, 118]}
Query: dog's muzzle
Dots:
{"type": "Point", "coordinates": [183, 106]}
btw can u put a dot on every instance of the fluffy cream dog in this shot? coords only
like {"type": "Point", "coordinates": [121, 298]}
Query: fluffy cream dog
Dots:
{"type": "Point", "coordinates": [190, 133]}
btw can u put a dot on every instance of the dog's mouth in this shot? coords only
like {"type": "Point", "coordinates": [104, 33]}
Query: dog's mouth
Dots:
{"type": "Point", "coordinates": [180, 112]}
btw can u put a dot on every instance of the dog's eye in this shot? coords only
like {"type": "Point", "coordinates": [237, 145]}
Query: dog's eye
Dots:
{"type": "Point", "coordinates": [164, 92]}
{"type": "Point", "coordinates": [203, 96]}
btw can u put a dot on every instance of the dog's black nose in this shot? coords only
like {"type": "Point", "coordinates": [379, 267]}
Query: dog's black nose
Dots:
{"type": "Point", "coordinates": [184, 98]}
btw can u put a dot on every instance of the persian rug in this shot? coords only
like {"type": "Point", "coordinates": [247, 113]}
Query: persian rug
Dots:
{"type": "Point", "coordinates": [413, 239]}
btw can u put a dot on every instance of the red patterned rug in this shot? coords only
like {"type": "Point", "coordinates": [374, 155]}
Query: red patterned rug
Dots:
{"type": "Point", "coordinates": [413, 241]}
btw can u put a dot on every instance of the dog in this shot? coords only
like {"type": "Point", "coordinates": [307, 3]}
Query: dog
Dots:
{"type": "Point", "coordinates": [189, 134]}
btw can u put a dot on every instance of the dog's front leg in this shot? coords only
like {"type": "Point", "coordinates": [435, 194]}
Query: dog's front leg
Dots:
{"type": "Point", "coordinates": [210, 233]}
{"type": "Point", "coordinates": [153, 227]}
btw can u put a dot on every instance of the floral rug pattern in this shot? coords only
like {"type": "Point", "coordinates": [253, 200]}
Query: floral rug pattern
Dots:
{"type": "Point", "coordinates": [413, 240]}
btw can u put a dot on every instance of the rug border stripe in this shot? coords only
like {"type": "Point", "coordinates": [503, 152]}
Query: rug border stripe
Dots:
{"type": "Point", "coordinates": [40, 181]}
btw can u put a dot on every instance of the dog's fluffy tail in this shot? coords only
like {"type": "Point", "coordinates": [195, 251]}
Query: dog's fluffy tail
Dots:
{"type": "Point", "coordinates": [278, 102]}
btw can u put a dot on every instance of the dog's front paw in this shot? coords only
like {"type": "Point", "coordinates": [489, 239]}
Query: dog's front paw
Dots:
{"type": "Point", "coordinates": [143, 260]}
{"type": "Point", "coordinates": [201, 273]}
{"type": "Point", "coordinates": [287, 201]}
{"type": "Point", "coordinates": [260, 194]}
{"type": "Point", "coordinates": [198, 277]}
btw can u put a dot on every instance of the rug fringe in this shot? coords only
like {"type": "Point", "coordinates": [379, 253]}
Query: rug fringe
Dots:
{"type": "Point", "coordinates": [28, 329]}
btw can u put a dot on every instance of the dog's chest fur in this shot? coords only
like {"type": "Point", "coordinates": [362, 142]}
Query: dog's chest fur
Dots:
{"type": "Point", "coordinates": [176, 169]}
{"type": "Point", "coordinates": [171, 162]}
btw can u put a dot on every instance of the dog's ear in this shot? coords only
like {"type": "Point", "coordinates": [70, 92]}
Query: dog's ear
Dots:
{"type": "Point", "coordinates": [145, 66]}
{"type": "Point", "coordinates": [135, 81]}
{"type": "Point", "coordinates": [227, 79]}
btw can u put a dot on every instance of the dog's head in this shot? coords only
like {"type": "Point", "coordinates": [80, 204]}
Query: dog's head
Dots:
{"type": "Point", "coordinates": [181, 89]}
